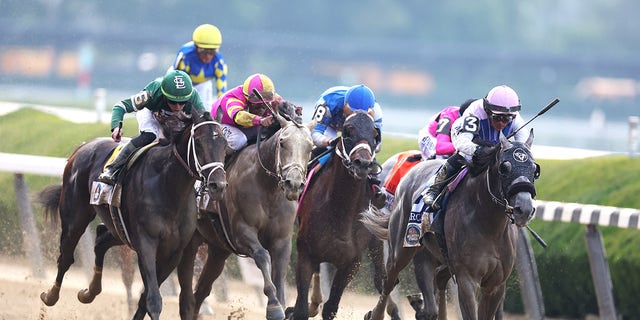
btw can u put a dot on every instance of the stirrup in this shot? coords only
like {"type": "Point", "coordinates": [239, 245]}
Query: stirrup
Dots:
{"type": "Point", "coordinates": [107, 177]}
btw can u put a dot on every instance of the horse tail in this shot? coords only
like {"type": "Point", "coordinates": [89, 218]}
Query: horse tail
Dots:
{"type": "Point", "coordinates": [49, 198]}
{"type": "Point", "coordinates": [376, 221]}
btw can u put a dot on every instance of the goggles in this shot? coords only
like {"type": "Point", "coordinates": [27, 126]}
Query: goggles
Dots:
{"type": "Point", "coordinates": [504, 118]}
{"type": "Point", "coordinates": [211, 52]}
{"type": "Point", "coordinates": [268, 96]}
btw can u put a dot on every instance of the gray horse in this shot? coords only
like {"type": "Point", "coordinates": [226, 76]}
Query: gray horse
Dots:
{"type": "Point", "coordinates": [482, 215]}
{"type": "Point", "coordinates": [256, 217]}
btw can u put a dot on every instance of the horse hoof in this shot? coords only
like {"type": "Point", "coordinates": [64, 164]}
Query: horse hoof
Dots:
{"type": "Point", "coordinates": [288, 312]}
{"type": "Point", "coordinates": [314, 309]}
{"type": "Point", "coordinates": [85, 296]}
{"type": "Point", "coordinates": [367, 316]}
{"type": "Point", "coordinates": [275, 313]}
{"type": "Point", "coordinates": [49, 299]}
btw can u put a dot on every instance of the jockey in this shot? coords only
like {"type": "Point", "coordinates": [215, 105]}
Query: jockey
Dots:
{"type": "Point", "coordinates": [241, 112]}
{"type": "Point", "coordinates": [332, 108]}
{"type": "Point", "coordinates": [166, 95]}
{"type": "Point", "coordinates": [334, 105]}
{"type": "Point", "coordinates": [434, 139]}
{"type": "Point", "coordinates": [202, 61]}
{"type": "Point", "coordinates": [478, 128]}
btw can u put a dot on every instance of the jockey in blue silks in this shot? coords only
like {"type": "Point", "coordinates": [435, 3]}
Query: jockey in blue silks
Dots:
{"type": "Point", "coordinates": [332, 108]}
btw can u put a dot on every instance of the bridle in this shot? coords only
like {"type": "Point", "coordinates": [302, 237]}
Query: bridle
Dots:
{"type": "Point", "coordinates": [345, 155]}
{"type": "Point", "coordinates": [192, 156]}
{"type": "Point", "coordinates": [519, 184]}
{"type": "Point", "coordinates": [278, 162]}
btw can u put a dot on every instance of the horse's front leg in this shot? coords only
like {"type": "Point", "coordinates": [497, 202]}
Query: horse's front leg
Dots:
{"type": "Point", "coordinates": [304, 271]}
{"type": "Point", "coordinates": [147, 264]}
{"type": "Point", "coordinates": [467, 288]}
{"type": "Point", "coordinates": [343, 276]}
{"type": "Point", "coordinates": [280, 256]}
{"type": "Point", "coordinates": [211, 270]}
{"type": "Point", "coordinates": [263, 260]}
{"type": "Point", "coordinates": [104, 241]}
{"type": "Point", "coordinates": [185, 278]}
{"type": "Point", "coordinates": [490, 305]}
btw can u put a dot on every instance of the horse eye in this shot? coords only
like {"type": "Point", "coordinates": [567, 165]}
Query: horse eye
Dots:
{"type": "Point", "coordinates": [536, 173]}
{"type": "Point", "coordinates": [505, 168]}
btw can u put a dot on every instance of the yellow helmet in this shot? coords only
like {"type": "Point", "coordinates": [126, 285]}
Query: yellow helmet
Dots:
{"type": "Point", "coordinates": [207, 36]}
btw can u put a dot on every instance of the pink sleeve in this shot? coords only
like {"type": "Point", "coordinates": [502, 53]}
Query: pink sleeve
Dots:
{"type": "Point", "coordinates": [444, 146]}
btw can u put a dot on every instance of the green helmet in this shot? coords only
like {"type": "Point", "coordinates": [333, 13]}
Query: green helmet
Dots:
{"type": "Point", "coordinates": [176, 86]}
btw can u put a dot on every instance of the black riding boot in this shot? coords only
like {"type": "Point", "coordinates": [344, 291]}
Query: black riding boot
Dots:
{"type": "Point", "coordinates": [444, 174]}
{"type": "Point", "coordinates": [109, 175]}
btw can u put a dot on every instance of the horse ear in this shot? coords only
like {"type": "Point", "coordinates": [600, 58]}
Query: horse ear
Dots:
{"type": "Point", "coordinates": [281, 120]}
{"type": "Point", "coordinates": [312, 124]}
{"type": "Point", "coordinates": [529, 141]}
{"type": "Point", "coordinates": [506, 144]}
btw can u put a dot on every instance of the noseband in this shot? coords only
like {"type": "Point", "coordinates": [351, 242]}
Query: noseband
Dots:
{"type": "Point", "coordinates": [346, 156]}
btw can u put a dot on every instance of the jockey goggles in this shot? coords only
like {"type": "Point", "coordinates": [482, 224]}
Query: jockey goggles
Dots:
{"type": "Point", "coordinates": [211, 52]}
{"type": "Point", "coordinates": [504, 118]}
{"type": "Point", "coordinates": [268, 96]}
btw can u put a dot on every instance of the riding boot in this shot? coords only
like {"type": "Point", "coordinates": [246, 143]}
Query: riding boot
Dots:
{"type": "Point", "coordinates": [444, 174]}
{"type": "Point", "coordinates": [109, 175]}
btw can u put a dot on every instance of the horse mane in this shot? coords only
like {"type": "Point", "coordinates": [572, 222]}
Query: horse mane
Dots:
{"type": "Point", "coordinates": [481, 162]}
{"type": "Point", "coordinates": [175, 125]}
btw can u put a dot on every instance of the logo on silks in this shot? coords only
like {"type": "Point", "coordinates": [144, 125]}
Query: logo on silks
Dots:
{"type": "Point", "coordinates": [520, 155]}
{"type": "Point", "coordinates": [179, 81]}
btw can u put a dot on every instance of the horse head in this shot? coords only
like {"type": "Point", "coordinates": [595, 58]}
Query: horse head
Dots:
{"type": "Point", "coordinates": [292, 152]}
{"type": "Point", "coordinates": [517, 171]}
{"type": "Point", "coordinates": [205, 153]}
{"type": "Point", "coordinates": [357, 144]}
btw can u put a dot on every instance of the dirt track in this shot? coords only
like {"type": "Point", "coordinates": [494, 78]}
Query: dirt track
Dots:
{"type": "Point", "coordinates": [20, 298]}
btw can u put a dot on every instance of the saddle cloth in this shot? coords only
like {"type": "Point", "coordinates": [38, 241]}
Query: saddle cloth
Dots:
{"type": "Point", "coordinates": [406, 161]}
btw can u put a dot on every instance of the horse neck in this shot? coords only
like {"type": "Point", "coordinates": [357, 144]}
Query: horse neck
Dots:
{"type": "Point", "coordinates": [268, 155]}
{"type": "Point", "coordinates": [347, 191]}
{"type": "Point", "coordinates": [181, 153]}
{"type": "Point", "coordinates": [488, 214]}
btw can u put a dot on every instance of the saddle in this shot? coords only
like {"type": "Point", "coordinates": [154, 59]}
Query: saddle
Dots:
{"type": "Point", "coordinates": [106, 194]}
{"type": "Point", "coordinates": [417, 225]}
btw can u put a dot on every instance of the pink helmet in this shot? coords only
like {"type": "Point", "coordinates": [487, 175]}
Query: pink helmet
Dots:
{"type": "Point", "coordinates": [502, 100]}
{"type": "Point", "coordinates": [262, 84]}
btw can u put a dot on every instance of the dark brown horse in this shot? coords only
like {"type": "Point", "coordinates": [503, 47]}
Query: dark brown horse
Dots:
{"type": "Point", "coordinates": [157, 205]}
{"type": "Point", "coordinates": [256, 218]}
{"type": "Point", "coordinates": [329, 230]}
{"type": "Point", "coordinates": [480, 224]}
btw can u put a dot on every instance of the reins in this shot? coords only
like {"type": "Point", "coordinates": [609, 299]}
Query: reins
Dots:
{"type": "Point", "coordinates": [279, 169]}
{"type": "Point", "coordinates": [191, 152]}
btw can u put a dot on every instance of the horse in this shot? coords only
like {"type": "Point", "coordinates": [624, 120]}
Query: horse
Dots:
{"type": "Point", "coordinates": [480, 227]}
{"type": "Point", "coordinates": [256, 217]}
{"type": "Point", "coordinates": [157, 204]}
{"type": "Point", "coordinates": [328, 230]}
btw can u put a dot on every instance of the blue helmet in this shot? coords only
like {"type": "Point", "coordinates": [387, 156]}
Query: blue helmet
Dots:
{"type": "Point", "coordinates": [360, 97]}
